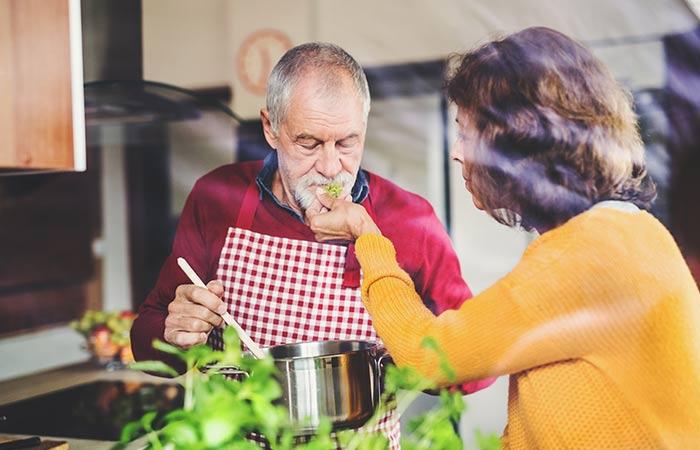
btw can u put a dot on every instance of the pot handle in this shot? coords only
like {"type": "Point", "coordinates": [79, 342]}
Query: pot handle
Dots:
{"type": "Point", "coordinates": [382, 358]}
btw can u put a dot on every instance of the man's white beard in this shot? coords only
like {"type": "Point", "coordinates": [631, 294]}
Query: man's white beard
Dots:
{"type": "Point", "coordinates": [304, 190]}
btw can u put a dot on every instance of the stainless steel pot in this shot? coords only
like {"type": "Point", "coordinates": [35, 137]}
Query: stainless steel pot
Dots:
{"type": "Point", "coordinates": [341, 380]}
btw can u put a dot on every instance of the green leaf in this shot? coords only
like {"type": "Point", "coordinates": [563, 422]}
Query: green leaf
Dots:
{"type": "Point", "coordinates": [130, 431]}
{"type": "Point", "coordinates": [182, 434]}
{"type": "Point", "coordinates": [452, 403]}
{"type": "Point", "coordinates": [230, 337]}
{"type": "Point", "coordinates": [177, 415]}
{"type": "Point", "coordinates": [147, 420]}
{"type": "Point", "coordinates": [430, 343]}
{"type": "Point", "coordinates": [154, 440]}
{"type": "Point", "coordinates": [321, 440]}
{"type": "Point", "coordinates": [217, 430]}
{"type": "Point", "coordinates": [406, 378]}
{"type": "Point", "coordinates": [408, 444]}
{"type": "Point", "coordinates": [243, 445]}
{"type": "Point", "coordinates": [197, 353]}
{"type": "Point", "coordinates": [155, 367]}
{"type": "Point", "coordinates": [167, 348]}
{"type": "Point", "coordinates": [487, 441]}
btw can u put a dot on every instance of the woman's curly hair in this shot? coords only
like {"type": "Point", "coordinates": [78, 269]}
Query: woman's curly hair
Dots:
{"type": "Point", "coordinates": [556, 132]}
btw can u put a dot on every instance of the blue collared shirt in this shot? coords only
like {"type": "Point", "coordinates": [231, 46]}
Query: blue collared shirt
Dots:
{"type": "Point", "coordinates": [359, 191]}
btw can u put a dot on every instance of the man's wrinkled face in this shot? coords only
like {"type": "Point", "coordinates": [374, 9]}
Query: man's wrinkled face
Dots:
{"type": "Point", "coordinates": [321, 139]}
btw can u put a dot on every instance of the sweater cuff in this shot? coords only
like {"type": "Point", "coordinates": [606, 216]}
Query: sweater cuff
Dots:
{"type": "Point", "coordinates": [377, 258]}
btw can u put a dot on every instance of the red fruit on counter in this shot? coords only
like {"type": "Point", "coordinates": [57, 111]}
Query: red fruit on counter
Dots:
{"type": "Point", "coordinates": [101, 343]}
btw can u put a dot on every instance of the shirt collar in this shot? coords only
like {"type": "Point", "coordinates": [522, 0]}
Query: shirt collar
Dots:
{"type": "Point", "coordinates": [359, 191]}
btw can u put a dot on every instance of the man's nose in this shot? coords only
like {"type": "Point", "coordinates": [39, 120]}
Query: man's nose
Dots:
{"type": "Point", "coordinates": [328, 162]}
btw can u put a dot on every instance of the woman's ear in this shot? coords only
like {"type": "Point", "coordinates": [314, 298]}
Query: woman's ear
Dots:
{"type": "Point", "coordinates": [270, 135]}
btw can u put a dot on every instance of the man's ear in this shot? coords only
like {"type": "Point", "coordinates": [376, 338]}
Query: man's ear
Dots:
{"type": "Point", "coordinates": [270, 136]}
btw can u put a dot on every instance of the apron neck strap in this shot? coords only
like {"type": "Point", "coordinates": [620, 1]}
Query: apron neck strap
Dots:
{"type": "Point", "coordinates": [248, 207]}
{"type": "Point", "coordinates": [352, 274]}
{"type": "Point", "coordinates": [369, 208]}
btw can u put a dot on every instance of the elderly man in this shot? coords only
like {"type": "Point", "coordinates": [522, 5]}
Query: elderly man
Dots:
{"type": "Point", "coordinates": [244, 227]}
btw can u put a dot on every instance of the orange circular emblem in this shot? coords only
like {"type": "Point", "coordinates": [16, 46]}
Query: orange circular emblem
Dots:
{"type": "Point", "coordinates": [257, 56]}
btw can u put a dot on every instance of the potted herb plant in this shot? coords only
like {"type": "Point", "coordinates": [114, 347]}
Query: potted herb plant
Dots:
{"type": "Point", "coordinates": [219, 413]}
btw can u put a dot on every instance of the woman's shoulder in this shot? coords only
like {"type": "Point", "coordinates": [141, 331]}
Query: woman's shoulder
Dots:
{"type": "Point", "coordinates": [607, 235]}
{"type": "Point", "coordinates": [626, 227]}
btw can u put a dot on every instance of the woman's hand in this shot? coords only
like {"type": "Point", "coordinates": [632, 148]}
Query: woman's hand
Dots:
{"type": "Point", "coordinates": [339, 219]}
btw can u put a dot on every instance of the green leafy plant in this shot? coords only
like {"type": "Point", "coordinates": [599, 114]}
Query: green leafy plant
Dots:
{"type": "Point", "coordinates": [220, 413]}
{"type": "Point", "coordinates": [433, 429]}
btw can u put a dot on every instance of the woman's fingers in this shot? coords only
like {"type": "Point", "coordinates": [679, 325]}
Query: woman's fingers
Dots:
{"type": "Point", "coordinates": [326, 200]}
{"type": "Point", "coordinates": [339, 219]}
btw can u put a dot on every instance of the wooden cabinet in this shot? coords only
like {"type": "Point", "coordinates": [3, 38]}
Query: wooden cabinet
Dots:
{"type": "Point", "coordinates": [41, 85]}
{"type": "Point", "coordinates": [48, 274]}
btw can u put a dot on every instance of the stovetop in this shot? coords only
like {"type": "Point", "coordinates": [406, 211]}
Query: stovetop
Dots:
{"type": "Point", "coordinates": [97, 410]}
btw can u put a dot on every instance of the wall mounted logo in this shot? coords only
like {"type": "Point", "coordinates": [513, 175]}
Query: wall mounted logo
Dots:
{"type": "Point", "coordinates": [257, 56]}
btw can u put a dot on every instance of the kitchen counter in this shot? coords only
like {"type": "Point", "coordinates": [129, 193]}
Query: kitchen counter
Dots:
{"type": "Point", "coordinates": [55, 380]}
{"type": "Point", "coordinates": [74, 444]}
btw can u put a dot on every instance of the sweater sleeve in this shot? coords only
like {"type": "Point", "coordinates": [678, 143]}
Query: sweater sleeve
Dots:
{"type": "Point", "coordinates": [442, 281]}
{"type": "Point", "coordinates": [524, 320]}
{"type": "Point", "coordinates": [189, 243]}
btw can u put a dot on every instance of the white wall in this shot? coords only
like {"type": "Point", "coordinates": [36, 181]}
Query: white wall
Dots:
{"type": "Point", "coordinates": [185, 42]}
{"type": "Point", "coordinates": [404, 144]}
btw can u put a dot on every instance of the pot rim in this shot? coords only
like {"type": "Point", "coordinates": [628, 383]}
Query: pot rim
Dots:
{"type": "Point", "coordinates": [370, 346]}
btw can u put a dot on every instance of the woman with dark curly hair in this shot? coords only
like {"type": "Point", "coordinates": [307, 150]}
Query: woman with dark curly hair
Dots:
{"type": "Point", "coordinates": [598, 325]}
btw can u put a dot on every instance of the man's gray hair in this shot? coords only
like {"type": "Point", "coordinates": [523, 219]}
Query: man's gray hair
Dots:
{"type": "Point", "coordinates": [328, 59]}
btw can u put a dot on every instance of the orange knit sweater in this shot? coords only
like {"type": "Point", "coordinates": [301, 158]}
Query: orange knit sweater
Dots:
{"type": "Point", "coordinates": [598, 325]}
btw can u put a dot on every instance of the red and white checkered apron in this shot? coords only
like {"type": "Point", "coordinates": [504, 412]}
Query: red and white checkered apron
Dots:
{"type": "Point", "coordinates": [283, 291]}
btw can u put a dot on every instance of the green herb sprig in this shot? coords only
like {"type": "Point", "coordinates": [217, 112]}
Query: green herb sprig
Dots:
{"type": "Point", "coordinates": [333, 189]}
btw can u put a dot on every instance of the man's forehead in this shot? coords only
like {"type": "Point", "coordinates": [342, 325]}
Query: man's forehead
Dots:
{"type": "Point", "coordinates": [339, 102]}
{"type": "Point", "coordinates": [320, 110]}
{"type": "Point", "coordinates": [337, 121]}
{"type": "Point", "coordinates": [315, 87]}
